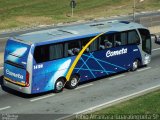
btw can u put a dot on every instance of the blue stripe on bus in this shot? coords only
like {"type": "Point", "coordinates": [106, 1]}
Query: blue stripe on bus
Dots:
{"type": "Point", "coordinates": [107, 63]}
{"type": "Point", "coordinates": [99, 63]}
{"type": "Point", "coordinates": [95, 70]}
{"type": "Point", "coordinates": [88, 67]}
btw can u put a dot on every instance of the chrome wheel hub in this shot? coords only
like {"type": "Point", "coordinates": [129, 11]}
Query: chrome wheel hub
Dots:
{"type": "Point", "coordinates": [74, 82]}
{"type": "Point", "coordinates": [135, 65]}
{"type": "Point", "coordinates": [59, 85]}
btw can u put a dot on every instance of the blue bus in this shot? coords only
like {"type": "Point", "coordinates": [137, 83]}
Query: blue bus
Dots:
{"type": "Point", "coordinates": [62, 57]}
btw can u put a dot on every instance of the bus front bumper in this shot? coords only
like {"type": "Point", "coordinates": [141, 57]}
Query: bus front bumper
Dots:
{"type": "Point", "coordinates": [147, 60]}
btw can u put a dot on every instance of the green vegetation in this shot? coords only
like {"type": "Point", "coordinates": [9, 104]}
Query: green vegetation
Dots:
{"type": "Point", "coordinates": [20, 13]}
{"type": "Point", "coordinates": [147, 104]}
{"type": "Point", "coordinates": [144, 106]}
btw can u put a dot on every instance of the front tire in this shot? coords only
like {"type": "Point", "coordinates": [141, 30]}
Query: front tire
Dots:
{"type": "Point", "coordinates": [135, 65]}
{"type": "Point", "coordinates": [59, 85]}
{"type": "Point", "coordinates": [73, 82]}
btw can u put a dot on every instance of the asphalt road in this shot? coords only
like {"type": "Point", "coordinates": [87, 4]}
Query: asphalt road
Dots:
{"type": "Point", "coordinates": [85, 96]}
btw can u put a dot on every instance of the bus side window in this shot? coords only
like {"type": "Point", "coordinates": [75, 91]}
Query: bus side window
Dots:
{"type": "Point", "coordinates": [94, 45]}
{"type": "Point", "coordinates": [117, 40]}
{"type": "Point", "coordinates": [124, 38]}
{"type": "Point", "coordinates": [120, 39]}
{"type": "Point", "coordinates": [133, 37]}
{"type": "Point", "coordinates": [73, 48]}
{"type": "Point", "coordinates": [56, 51]}
{"type": "Point", "coordinates": [106, 41]}
{"type": "Point", "coordinates": [84, 42]}
{"type": "Point", "coordinates": [102, 44]}
{"type": "Point", "coordinates": [41, 53]}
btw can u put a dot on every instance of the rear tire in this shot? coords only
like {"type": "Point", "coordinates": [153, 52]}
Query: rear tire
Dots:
{"type": "Point", "coordinates": [73, 82]}
{"type": "Point", "coordinates": [59, 85]}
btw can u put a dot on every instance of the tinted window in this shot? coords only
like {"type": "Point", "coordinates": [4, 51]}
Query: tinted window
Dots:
{"type": "Point", "coordinates": [84, 42]}
{"type": "Point", "coordinates": [133, 37]}
{"type": "Point", "coordinates": [48, 52]}
{"type": "Point", "coordinates": [94, 45]}
{"type": "Point", "coordinates": [41, 53]}
{"type": "Point", "coordinates": [120, 39]}
{"type": "Point", "coordinates": [106, 41]}
{"type": "Point", "coordinates": [146, 40]}
{"type": "Point", "coordinates": [73, 48]}
{"type": "Point", "coordinates": [55, 51]}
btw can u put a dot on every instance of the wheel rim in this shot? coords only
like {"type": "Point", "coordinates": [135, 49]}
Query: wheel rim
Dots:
{"type": "Point", "coordinates": [74, 82]}
{"type": "Point", "coordinates": [135, 65]}
{"type": "Point", "coordinates": [59, 85]}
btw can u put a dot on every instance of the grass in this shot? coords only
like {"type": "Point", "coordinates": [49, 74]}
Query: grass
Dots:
{"type": "Point", "coordinates": [21, 13]}
{"type": "Point", "coordinates": [148, 104]}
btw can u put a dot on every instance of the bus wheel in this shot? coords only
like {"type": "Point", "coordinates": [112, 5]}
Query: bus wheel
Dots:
{"type": "Point", "coordinates": [135, 65]}
{"type": "Point", "coordinates": [59, 85]}
{"type": "Point", "coordinates": [73, 82]}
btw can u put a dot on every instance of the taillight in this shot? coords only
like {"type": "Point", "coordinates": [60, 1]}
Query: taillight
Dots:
{"type": "Point", "coordinates": [27, 79]}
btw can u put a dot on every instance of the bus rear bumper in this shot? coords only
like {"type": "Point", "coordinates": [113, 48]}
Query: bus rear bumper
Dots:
{"type": "Point", "coordinates": [18, 88]}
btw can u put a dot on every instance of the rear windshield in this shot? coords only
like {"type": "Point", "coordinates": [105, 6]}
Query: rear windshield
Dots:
{"type": "Point", "coordinates": [16, 48]}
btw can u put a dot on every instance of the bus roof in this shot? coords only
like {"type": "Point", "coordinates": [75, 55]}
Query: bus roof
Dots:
{"type": "Point", "coordinates": [77, 31]}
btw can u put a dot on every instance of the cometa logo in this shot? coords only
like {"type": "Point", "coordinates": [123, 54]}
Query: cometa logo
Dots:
{"type": "Point", "coordinates": [110, 53]}
{"type": "Point", "coordinates": [14, 74]}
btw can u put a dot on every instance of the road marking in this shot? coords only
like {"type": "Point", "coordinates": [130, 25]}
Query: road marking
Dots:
{"type": "Point", "coordinates": [111, 102]}
{"type": "Point", "coordinates": [119, 99]}
{"type": "Point", "coordinates": [115, 77]}
{"type": "Point", "coordinates": [84, 86]}
{"type": "Point", "coordinates": [44, 97]}
{"type": "Point", "coordinates": [156, 49]}
{"type": "Point", "coordinates": [144, 69]}
{"type": "Point", "coordinates": [4, 38]}
{"type": "Point", "coordinates": [5, 108]}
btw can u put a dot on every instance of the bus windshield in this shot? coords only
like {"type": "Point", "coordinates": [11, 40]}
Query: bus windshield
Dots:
{"type": "Point", "coordinates": [146, 40]}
